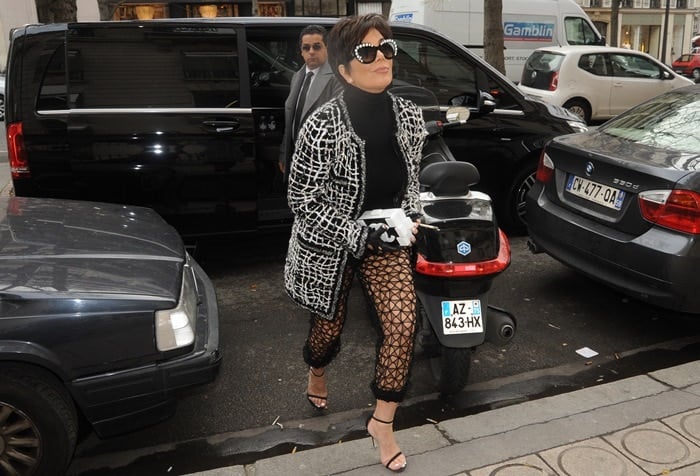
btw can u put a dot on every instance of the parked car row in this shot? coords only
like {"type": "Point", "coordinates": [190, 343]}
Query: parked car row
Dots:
{"type": "Point", "coordinates": [186, 116]}
{"type": "Point", "coordinates": [596, 82]}
{"type": "Point", "coordinates": [105, 315]}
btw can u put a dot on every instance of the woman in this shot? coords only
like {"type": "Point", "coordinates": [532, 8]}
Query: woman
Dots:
{"type": "Point", "coordinates": [358, 152]}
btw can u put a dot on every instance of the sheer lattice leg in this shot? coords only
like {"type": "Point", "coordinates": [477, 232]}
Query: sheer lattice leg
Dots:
{"type": "Point", "coordinates": [388, 282]}
{"type": "Point", "coordinates": [323, 341]}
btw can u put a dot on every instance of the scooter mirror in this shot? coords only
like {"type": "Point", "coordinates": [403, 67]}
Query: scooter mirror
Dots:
{"type": "Point", "coordinates": [457, 114]}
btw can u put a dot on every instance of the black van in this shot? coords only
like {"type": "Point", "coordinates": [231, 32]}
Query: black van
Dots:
{"type": "Point", "coordinates": [186, 116]}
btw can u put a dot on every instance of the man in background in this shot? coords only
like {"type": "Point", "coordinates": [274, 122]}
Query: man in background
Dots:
{"type": "Point", "coordinates": [311, 86]}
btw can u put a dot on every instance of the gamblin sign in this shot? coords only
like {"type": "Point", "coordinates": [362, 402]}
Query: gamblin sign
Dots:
{"type": "Point", "coordinates": [528, 31]}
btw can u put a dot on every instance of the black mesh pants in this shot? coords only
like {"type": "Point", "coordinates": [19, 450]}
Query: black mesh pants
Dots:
{"type": "Point", "coordinates": [387, 280]}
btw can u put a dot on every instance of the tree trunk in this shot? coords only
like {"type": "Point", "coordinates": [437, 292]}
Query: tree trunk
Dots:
{"type": "Point", "coordinates": [56, 11]}
{"type": "Point", "coordinates": [493, 34]}
{"type": "Point", "coordinates": [614, 14]}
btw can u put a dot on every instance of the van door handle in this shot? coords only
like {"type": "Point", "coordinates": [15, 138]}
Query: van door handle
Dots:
{"type": "Point", "coordinates": [221, 127]}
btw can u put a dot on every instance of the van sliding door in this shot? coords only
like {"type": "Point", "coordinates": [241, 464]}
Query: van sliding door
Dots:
{"type": "Point", "coordinates": [155, 119]}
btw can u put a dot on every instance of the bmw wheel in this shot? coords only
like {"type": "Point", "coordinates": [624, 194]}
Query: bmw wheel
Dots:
{"type": "Point", "coordinates": [38, 423]}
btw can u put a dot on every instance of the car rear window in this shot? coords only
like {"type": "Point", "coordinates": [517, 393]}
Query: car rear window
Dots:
{"type": "Point", "coordinates": [667, 122]}
{"type": "Point", "coordinates": [540, 69]}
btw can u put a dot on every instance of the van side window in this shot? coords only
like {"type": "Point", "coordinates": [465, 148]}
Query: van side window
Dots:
{"type": "Point", "coordinates": [52, 91]}
{"type": "Point", "coordinates": [193, 68]}
{"type": "Point", "coordinates": [435, 68]}
{"type": "Point", "coordinates": [579, 32]}
{"type": "Point", "coordinates": [273, 58]}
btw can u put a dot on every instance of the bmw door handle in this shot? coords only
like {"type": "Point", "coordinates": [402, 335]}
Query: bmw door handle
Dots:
{"type": "Point", "coordinates": [221, 127]}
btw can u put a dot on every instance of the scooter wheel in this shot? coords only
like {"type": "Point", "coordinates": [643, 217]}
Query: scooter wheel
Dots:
{"type": "Point", "coordinates": [451, 369]}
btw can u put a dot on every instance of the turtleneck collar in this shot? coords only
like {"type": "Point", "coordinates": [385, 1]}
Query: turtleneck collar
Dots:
{"type": "Point", "coordinates": [354, 94]}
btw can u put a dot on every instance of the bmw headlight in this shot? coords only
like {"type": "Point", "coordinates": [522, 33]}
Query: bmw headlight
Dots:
{"type": "Point", "coordinates": [175, 327]}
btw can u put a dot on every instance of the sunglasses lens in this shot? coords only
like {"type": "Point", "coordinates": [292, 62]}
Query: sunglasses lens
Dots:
{"type": "Point", "coordinates": [366, 54]}
{"type": "Point", "coordinates": [387, 50]}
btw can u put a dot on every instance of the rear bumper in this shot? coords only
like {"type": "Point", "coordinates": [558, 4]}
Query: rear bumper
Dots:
{"type": "Point", "coordinates": [126, 400]}
{"type": "Point", "coordinates": [657, 267]}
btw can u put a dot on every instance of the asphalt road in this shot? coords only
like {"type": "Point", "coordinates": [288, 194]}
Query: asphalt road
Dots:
{"type": "Point", "coordinates": [262, 381]}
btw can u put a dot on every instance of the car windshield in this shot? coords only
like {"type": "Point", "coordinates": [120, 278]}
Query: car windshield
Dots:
{"type": "Point", "coordinates": [670, 121]}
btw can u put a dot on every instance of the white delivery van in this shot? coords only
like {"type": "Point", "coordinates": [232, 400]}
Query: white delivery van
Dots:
{"type": "Point", "coordinates": [527, 25]}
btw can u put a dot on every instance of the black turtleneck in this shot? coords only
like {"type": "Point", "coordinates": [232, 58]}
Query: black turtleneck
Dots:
{"type": "Point", "coordinates": [372, 117]}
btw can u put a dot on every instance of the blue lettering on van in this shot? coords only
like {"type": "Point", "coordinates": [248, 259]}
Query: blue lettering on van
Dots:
{"type": "Point", "coordinates": [405, 17]}
{"type": "Point", "coordinates": [527, 31]}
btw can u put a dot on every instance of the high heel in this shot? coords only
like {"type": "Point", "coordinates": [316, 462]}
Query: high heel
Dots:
{"type": "Point", "coordinates": [309, 396]}
{"type": "Point", "coordinates": [387, 465]}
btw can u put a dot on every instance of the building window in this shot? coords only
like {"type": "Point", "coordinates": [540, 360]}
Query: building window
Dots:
{"type": "Point", "coordinates": [271, 9]}
{"type": "Point", "coordinates": [142, 11]}
{"type": "Point", "coordinates": [320, 8]}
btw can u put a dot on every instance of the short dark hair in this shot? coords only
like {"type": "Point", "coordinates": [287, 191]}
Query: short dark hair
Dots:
{"type": "Point", "coordinates": [348, 33]}
{"type": "Point", "coordinates": [313, 30]}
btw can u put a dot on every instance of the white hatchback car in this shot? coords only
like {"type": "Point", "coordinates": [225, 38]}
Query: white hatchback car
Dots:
{"type": "Point", "coordinates": [596, 82]}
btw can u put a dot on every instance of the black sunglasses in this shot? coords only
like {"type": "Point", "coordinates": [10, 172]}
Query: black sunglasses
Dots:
{"type": "Point", "coordinates": [315, 46]}
{"type": "Point", "coordinates": [366, 53]}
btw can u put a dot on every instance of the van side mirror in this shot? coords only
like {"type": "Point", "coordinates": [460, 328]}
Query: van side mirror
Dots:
{"type": "Point", "coordinates": [486, 103]}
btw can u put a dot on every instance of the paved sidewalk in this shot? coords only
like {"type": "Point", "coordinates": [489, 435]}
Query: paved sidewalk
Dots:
{"type": "Point", "coordinates": [644, 425]}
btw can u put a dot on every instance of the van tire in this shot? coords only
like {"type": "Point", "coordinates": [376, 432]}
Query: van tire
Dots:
{"type": "Point", "coordinates": [511, 211]}
{"type": "Point", "coordinates": [696, 75]}
{"type": "Point", "coordinates": [579, 107]}
{"type": "Point", "coordinates": [35, 398]}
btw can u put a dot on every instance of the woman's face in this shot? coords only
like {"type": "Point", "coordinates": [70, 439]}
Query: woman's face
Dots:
{"type": "Point", "coordinates": [373, 77]}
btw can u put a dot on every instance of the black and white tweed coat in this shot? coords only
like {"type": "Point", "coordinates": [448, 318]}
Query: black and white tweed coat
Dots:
{"type": "Point", "coordinates": [326, 192]}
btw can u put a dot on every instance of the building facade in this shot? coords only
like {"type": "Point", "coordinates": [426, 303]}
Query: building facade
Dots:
{"type": "Point", "coordinates": [662, 28]}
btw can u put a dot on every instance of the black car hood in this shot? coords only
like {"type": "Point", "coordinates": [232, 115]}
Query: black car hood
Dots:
{"type": "Point", "coordinates": [58, 246]}
{"type": "Point", "coordinates": [598, 143]}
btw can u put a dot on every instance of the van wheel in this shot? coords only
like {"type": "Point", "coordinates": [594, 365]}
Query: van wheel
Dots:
{"type": "Point", "coordinates": [38, 423]}
{"type": "Point", "coordinates": [696, 74]}
{"type": "Point", "coordinates": [580, 108]}
{"type": "Point", "coordinates": [511, 210]}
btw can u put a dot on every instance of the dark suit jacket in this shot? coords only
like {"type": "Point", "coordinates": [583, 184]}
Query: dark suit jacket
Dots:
{"type": "Point", "coordinates": [324, 87]}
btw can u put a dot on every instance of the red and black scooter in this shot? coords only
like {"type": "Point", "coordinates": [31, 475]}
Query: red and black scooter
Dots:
{"type": "Point", "coordinates": [460, 250]}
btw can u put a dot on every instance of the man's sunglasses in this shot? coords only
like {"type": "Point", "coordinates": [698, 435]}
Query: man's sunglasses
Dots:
{"type": "Point", "coordinates": [315, 46]}
{"type": "Point", "coordinates": [367, 53]}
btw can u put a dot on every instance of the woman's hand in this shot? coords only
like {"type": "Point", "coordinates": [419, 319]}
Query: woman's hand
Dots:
{"type": "Point", "coordinates": [382, 238]}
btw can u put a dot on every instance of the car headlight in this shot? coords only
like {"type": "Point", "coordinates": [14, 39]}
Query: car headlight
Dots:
{"type": "Point", "coordinates": [175, 327]}
{"type": "Point", "coordinates": [577, 126]}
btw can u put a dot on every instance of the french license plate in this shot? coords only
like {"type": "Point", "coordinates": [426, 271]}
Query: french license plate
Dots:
{"type": "Point", "coordinates": [462, 317]}
{"type": "Point", "coordinates": [595, 192]}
